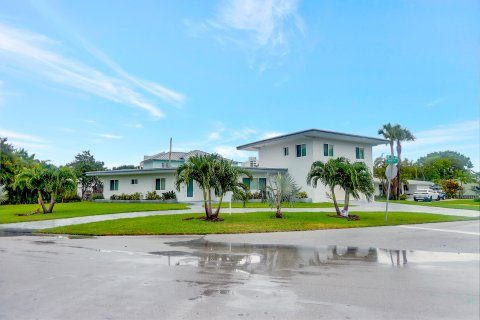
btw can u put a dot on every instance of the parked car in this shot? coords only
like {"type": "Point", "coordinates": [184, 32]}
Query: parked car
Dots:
{"type": "Point", "coordinates": [425, 195]}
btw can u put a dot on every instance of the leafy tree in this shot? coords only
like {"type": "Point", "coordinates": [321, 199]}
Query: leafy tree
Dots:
{"type": "Point", "coordinates": [451, 187]}
{"type": "Point", "coordinates": [458, 160]}
{"type": "Point", "coordinates": [125, 166]}
{"type": "Point", "coordinates": [281, 188]}
{"type": "Point", "coordinates": [328, 174]}
{"type": "Point", "coordinates": [85, 162]}
{"type": "Point", "coordinates": [3, 194]}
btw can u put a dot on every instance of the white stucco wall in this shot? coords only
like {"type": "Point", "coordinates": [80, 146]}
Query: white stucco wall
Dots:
{"type": "Point", "coordinates": [272, 156]}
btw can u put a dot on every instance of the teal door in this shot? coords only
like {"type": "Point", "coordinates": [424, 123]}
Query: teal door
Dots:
{"type": "Point", "coordinates": [190, 189]}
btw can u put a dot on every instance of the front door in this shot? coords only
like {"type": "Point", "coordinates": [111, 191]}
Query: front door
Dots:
{"type": "Point", "coordinates": [190, 189]}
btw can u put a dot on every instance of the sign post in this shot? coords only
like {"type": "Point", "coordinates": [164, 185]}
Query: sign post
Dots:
{"type": "Point", "coordinates": [390, 173]}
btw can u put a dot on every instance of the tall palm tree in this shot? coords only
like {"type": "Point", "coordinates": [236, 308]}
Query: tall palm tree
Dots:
{"type": "Point", "coordinates": [227, 179]}
{"type": "Point", "coordinates": [281, 188]}
{"type": "Point", "coordinates": [391, 133]}
{"type": "Point", "coordinates": [327, 173]}
{"type": "Point", "coordinates": [402, 135]}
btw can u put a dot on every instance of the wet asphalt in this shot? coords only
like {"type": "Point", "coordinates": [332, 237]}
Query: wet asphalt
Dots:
{"type": "Point", "coordinates": [428, 271]}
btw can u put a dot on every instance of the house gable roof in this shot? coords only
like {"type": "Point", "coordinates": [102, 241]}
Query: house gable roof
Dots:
{"type": "Point", "coordinates": [314, 133]}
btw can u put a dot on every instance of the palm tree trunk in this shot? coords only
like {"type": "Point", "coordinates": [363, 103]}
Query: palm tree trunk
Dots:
{"type": "Point", "coordinates": [217, 212]}
{"type": "Point", "coordinates": [347, 201]}
{"type": "Point", "coordinates": [53, 197]}
{"type": "Point", "coordinates": [205, 204]}
{"type": "Point", "coordinates": [335, 203]}
{"type": "Point", "coordinates": [391, 147]}
{"type": "Point", "coordinates": [41, 203]}
{"type": "Point", "coordinates": [209, 204]}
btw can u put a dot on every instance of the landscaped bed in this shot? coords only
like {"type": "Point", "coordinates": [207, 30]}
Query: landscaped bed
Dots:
{"type": "Point", "coordinates": [266, 205]}
{"type": "Point", "coordinates": [467, 204]}
{"type": "Point", "coordinates": [12, 213]}
{"type": "Point", "coordinates": [245, 223]}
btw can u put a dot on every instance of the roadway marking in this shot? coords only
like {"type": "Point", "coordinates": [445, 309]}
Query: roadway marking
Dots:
{"type": "Point", "coordinates": [441, 230]}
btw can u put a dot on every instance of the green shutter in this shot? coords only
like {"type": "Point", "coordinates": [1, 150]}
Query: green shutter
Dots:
{"type": "Point", "coordinates": [362, 153]}
{"type": "Point", "coordinates": [299, 150]}
{"type": "Point", "coordinates": [330, 150]}
{"type": "Point", "coordinates": [304, 150]}
{"type": "Point", "coordinates": [157, 184]}
{"type": "Point", "coordinates": [190, 188]}
{"type": "Point", "coordinates": [325, 150]}
{"type": "Point", "coordinates": [262, 183]}
{"type": "Point", "coordinates": [162, 183]}
{"type": "Point", "coordinates": [246, 181]}
{"type": "Point", "coordinates": [357, 152]}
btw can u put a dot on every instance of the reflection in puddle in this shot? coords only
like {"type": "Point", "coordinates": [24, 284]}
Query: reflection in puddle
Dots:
{"type": "Point", "coordinates": [270, 259]}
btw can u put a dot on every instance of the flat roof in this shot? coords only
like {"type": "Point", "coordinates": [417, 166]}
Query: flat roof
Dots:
{"type": "Point", "coordinates": [314, 133]}
{"type": "Point", "coordinates": [166, 170]}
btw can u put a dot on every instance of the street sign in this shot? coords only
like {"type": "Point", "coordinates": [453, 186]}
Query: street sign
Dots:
{"type": "Point", "coordinates": [391, 171]}
{"type": "Point", "coordinates": [391, 159]}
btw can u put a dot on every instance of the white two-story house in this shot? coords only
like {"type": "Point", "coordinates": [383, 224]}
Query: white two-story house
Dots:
{"type": "Point", "coordinates": [297, 151]}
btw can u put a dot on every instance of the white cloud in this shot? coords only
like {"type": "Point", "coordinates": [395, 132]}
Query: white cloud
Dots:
{"type": "Point", "coordinates": [20, 136]}
{"type": "Point", "coordinates": [272, 134]}
{"type": "Point", "coordinates": [463, 137]}
{"type": "Point", "coordinates": [231, 152]}
{"type": "Point", "coordinates": [68, 130]}
{"type": "Point", "coordinates": [435, 102]}
{"type": "Point", "coordinates": [37, 55]}
{"type": "Point", "coordinates": [135, 125]}
{"type": "Point", "coordinates": [110, 136]}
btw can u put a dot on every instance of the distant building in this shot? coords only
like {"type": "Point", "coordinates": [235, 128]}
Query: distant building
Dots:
{"type": "Point", "coordinates": [252, 162]}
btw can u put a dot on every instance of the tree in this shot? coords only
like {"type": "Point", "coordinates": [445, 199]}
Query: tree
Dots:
{"type": "Point", "coordinates": [47, 179]}
{"type": "Point", "coordinates": [226, 179]}
{"type": "Point", "coordinates": [403, 135]}
{"type": "Point", "coordinates": [3, 194]}
{"type": "Point", "coordinates": [390, 132]}
{"type": "Point", "coordinates": [125, 166]}
{"type": "Point", "coordinates": [458, 160]}
{"type": "Point", "coordinates": [356, 180]}
{"type": "Point", "coordinates": [328, 174]}
{"type": "Point", "coordinates": [85, 162]}
{"type": "Point", "coordinates": [199, 168]}
{"type": "Point", "coordinates": [451, 187]}
{"type": "Point", "coordinates": [281, 188]}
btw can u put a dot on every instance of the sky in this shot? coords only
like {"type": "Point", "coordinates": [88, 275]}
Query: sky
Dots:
{"type": "Point", "coordinates": [119, 78]}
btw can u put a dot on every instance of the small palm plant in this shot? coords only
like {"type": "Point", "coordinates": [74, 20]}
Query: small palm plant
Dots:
{"type": "Point", "coordinates": [282, 188]}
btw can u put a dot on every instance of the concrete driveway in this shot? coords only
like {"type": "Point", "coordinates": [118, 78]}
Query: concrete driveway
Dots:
{"type": "Point", "coordinates": [428, 271]}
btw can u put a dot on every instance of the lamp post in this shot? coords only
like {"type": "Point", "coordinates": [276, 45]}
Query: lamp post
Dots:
{"type": "Point", "coordinates": [2, 140]}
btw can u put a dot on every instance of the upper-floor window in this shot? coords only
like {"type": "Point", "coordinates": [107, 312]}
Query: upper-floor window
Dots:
{"type": "Point", "coordinates": [301, 150]}
{"type": "Point", "coordinates": [285, 151]}
{"type": "Point", "coordinates": [328, 150]}
{"type": "Point", "coordinates": [160, 184]}
{"type": "Point", "coordinates": [134, 181]}
{"type": "Point", "coordinates": [113, 185]}
{"type": "Point", "coordinates": [359, 153]}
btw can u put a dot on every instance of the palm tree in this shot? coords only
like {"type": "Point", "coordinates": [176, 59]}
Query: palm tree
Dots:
{"type": "Point", "coordinates": [199, 168]}
{"type": "Point", "coordinates": [392, 133]}
{"type": "Point", "coordinates": [357, 180]}
{"type": "Point", "coordinates": [226, 178]}
{"type": "Point", "coordinates": [328, 174]}
{"type": "Point", "coordinates": [402, 135]}
{"type": "Point", "coordinates": [281, 188]}
{"type": "Point", "coordinates": [47, 179]}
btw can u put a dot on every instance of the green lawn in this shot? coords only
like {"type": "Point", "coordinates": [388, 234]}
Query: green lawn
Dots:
{"type": "Point", "coordinates": [266, 205]}
{"type": "Point", "coordinates": [244, 223]}
{"type": "Point", "coordinates": [467, 204]}
{"type": "Point", "coordinates": [8, 213]}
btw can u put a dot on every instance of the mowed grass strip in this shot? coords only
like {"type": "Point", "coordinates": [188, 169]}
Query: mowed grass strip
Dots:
{"type": "Point", "coordinates": [9, 213]}
{"type": "Point", "coordinates": [266, 205]}
{"type": "Point", "coordinates": [244, 223]}
{"type": "Point", "coordinates": [466, 204]}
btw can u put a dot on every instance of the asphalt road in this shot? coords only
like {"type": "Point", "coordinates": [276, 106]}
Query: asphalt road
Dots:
{"type": "Point", "coordinates": [428, 271]}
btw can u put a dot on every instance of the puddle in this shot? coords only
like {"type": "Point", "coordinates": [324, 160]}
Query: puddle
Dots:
{"type": "Point", "coordinates": [14, 232]}
{"type": "Point", "coordinates": [282, 259]}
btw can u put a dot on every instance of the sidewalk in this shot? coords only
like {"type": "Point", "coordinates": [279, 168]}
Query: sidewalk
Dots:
{"type": "Point", "coordinates": [361, 206]}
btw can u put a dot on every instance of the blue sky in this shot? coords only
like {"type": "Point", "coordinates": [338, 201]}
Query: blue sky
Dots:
{"type": "Point", "coordinates": [120, 78]}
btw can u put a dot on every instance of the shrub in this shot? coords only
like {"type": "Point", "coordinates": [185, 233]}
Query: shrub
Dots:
{"type": "Point", "coordinates": [451, 187]}
{"type": "Point", "coordinates": [96, 196]}
{"type": "Point", "coordinates": [403, 197]}
{"type": "Point", "coordinates": [382, 197]}
{"type": "Point", "coordinates": [476, 200]}
{"type": "Point", "coordinates": [124, 196]}
{"type": "Point", "coordinates": [302, 195]}
{"type": "Point", "coordinates": [152, 195]}
{"type": "Point", "coordinates": [169, 195]}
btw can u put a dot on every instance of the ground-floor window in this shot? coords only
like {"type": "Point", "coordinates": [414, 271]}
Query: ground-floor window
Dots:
{"type": "Point", "coordinates": [257, 183]}
{"type": "Point", "coordinates": [247, 182]}
{"type": "Point", "coordinates": [160, 184]}
{"type": "Point", "coordinates": [113, 185]}
{"type": "Point", "coordinates": [134, 181]}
